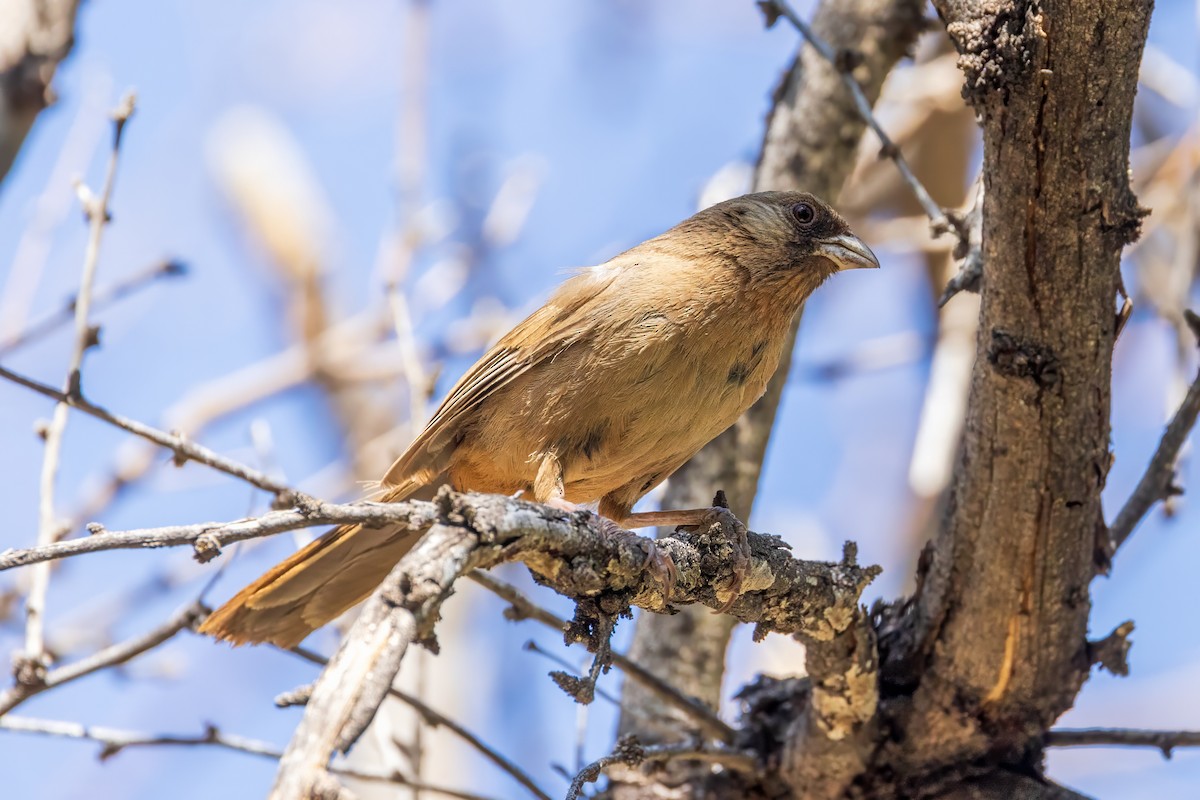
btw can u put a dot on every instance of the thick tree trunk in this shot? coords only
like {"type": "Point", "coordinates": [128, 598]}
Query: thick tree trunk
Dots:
{"type": "Point", "coordinates": [993, 649]}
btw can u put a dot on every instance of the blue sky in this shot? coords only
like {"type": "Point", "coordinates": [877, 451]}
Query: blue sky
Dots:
{"type": "Point", "coordinates": [627, 109]}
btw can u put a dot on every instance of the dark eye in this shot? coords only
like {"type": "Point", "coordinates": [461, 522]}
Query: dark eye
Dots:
{"type": "Point", "coordinates": [804, 213]}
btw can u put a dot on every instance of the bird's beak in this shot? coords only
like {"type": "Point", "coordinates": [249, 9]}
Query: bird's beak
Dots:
{"type": "Point", "coordinates": [848, 252]}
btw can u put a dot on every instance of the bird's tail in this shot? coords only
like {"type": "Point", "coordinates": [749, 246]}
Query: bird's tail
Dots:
{"type": "Point", "coordinates": [315, 584]}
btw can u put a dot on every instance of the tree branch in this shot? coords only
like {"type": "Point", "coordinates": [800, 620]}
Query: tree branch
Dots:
{"type": "Point", "coordinates": [994, 643]}
{"type": "Point", "coordinates": [631, 754]}
{"type": "Point", "coordinates": [1157, 483]}
{"type": "Point", "coordinates": [30, 666]}
{"type": "Point", "coordinates": [182, 449]}
{"type": "Point", "coordinates": [697, 712]}
{"type": "Point", "coordinates": [114, 740]}
{"type": "Point", "coordinates": [101, 297]}
{"type": "Point", "coordinates": [437, 719]}
{"type": "Point", "coordinates": [34, 40]}
{"type": "Point", "coordinates": [844, 62]}
{"type": "Point", "coordinates": [1166, 741]}
{"type": "Point", "coordinates": [575, 558]}
{"type": "Point", "coordinates": [119, 653]}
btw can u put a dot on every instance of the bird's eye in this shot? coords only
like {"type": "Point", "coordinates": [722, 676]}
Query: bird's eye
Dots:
{"type": "Point", "coordinates": [804, 213]}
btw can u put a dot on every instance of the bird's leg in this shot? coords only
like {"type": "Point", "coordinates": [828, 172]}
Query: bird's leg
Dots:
{"type": "Point", "coordinates": [695, 517]}
{"type": "Point", "coordinates": [612, 515]}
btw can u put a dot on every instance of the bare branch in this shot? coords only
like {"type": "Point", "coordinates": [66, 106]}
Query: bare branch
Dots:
{"type": "Point", "coordinates": [182, 449]}
{"type": "Point", "coordinates": [1157, 482]}
{"type": "Point", "coordinates": [31, 664]}
{"type": "Point", "coordinates": [1165, 741]}
{"type": "Point", "coordinates": [206, 536]}
{"type": "Point", "coordinates": [101, 297]}
{"type": "Point", "coordinates": [114, 740]}
{"type": "Point", "coordinates": [523, 608]}
{"type": "Point", "coordinates": [631, 754]}
{"type": "Point", "coordinates": [574, 557]}
{"type": "Point", "coordinates": [437, 719]}
{"type": "Point", "coordinates": [119, 653]}
{"type": "Point", "coordinates": [844, 64]}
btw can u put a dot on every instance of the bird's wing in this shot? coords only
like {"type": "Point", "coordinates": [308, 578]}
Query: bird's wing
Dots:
{"type": "Point", "coordinates": [540, 337]}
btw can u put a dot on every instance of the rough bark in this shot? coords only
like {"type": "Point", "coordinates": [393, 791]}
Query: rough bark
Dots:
{"type": "Point", "coordinates": [810, 140]}
{"type": "Point", "coordinates": [993, 648]}
{"type": "Point", "coordinates": [35, 37]}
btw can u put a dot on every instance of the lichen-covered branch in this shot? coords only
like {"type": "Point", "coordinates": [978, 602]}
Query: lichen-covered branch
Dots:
{"type": "Point", "coordinates": [571, 554]}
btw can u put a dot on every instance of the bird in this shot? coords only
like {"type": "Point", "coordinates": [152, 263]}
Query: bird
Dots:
{"type": "Point", "coordinates": [622, 376]}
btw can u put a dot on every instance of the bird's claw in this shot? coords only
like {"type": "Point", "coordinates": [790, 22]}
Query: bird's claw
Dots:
{"type": "Point", "coordinates": [740, 542]}
{"type": "Point", "coordinates": [657, 560]}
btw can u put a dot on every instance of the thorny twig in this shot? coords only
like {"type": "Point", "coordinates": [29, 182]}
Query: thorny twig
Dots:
{"type": "Point", "coordinates": [30, 666]}
{"type": "Point", "coordinates": [632, 754]}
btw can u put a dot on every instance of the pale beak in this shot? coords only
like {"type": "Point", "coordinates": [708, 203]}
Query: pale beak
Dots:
{"type": "Point", "coordinates": [848, 252]}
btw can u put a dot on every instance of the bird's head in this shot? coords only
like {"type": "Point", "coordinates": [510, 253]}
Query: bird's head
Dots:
{"type": "Point", "coordinates": [778, 238]}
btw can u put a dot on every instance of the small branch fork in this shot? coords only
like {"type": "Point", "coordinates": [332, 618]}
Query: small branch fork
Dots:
{"type": "Point", "coordinates": [630, 753]}
{"type": "Point", "coordinates": [522, 608]}
{"type": "Point", "coordinates": [967, 226]}
{"type": "Point", "coordinates": [30, 666]}
{"type": "Point", "coordinates": [844, 62]}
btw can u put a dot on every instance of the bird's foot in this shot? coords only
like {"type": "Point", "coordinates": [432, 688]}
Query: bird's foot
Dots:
{"type": "Point", "coordinates": [658, 562]}
{"type": "Point", "coordinates": [739, 540]}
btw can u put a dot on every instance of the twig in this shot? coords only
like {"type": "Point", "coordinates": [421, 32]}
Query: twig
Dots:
{"type": "Point", "coordinates": [632, 754]}
{"type": "Point", "coordinates": [182, 449]}
{"type": "Point", "coordinates": [1157, 482]}
{"type": "Point", "coordinates": [1165, 741]}
{"type": "Point", "coordinates": [30, 666]}
{"type": "Point", "coordinates": [696, 711]}
{"type": "Point", "coordinates": [438, 719]}
{"type": "Point", "coordinates": [114, 740]}
{"type": "Point", "coordinates": [119, 653]}
{"type": "Point", "coordinates": [968, 251]}
{"type": "Point", "coordinates": [102, 297]}
{"type": "Point", "coordinates": [843, 65]}
{"type": "Point", "coordinates": [209, 537]}
{"type": "Point", "coordinates": [533, 647]}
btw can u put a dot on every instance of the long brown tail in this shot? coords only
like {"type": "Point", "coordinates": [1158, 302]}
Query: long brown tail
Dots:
{"type": "Point", "coordinates": [314, 585]}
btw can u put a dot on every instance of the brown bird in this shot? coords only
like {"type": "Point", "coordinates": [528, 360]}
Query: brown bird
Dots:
{"type": "Point", "coordinates": [628, 370]}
